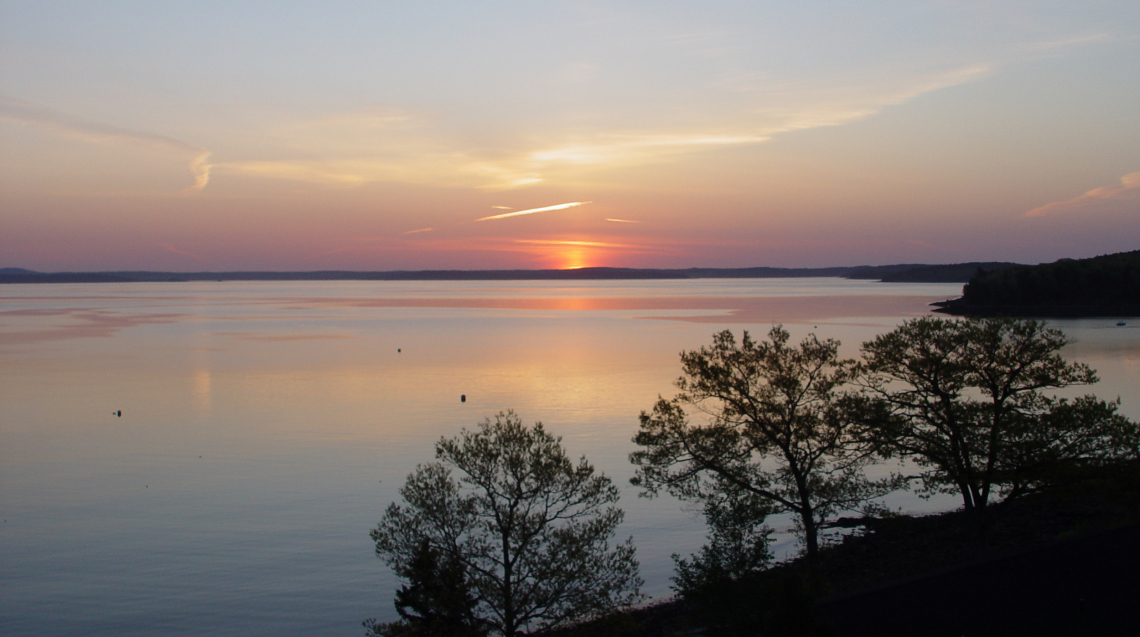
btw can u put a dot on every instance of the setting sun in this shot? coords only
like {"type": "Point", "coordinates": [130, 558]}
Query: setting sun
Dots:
{"type": "Point", "coordinates": [573, 258]}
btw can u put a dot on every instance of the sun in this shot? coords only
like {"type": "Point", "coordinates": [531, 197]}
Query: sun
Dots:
{"type": "Point", "coordinates": [573, 258]}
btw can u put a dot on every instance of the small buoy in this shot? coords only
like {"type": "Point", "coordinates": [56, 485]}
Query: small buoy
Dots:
{"type": "Point", "coordinates": [398, 350]}
{"type": "Point", "coordinates": [462, 398]}
{"type": "Point", "coordinates": [119, 414]}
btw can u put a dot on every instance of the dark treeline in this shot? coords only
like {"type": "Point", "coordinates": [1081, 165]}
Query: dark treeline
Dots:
{"type": "Point", "coordinates": [892, 273]}
{"type": "Point", "coordinates": [954, 273]}
{"type": "Point", "coordinates": [1107, 285]}
{"type": "Point", "coordinates": [505, 535]}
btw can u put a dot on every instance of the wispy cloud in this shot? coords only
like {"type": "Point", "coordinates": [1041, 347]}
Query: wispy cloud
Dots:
{"type": "Point", "coordinates": [99, 133]}
{"type": "Point", "coordinates": [561, 206]}
{"type": "Point", "coordinates": [170, 248]}
{"type": "Point", "coordinates": [418, 231]}
{"type": "Point", "coordinates": [622, 221]}
{"type": "Point", "coordinates": [398, 146]}
{"type": "Point", "coordinates": [1128, 190]}
{"type": "Point", "coordinates": [802, 109]}
{"type": "Point", "coordinates": [589, 244]}
{"type": "Point", "coordinates": [327, 173]}
{"type": "Point", "coordinates": [632, 148]}
{"type": "Point", "coordinates": [502, 207]}
{"type": "Point", "coordinates": [1076, 40]}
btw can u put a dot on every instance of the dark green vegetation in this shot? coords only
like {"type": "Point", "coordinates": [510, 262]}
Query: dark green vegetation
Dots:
{"type": "Point", "coordinates": [905, 272]}
{"type": "Point", "coordinates": [1101, 286]}
{"type": "Point", "coordinates": [792, 428]}
{"type": "Point", "coordinates": [504, 534]}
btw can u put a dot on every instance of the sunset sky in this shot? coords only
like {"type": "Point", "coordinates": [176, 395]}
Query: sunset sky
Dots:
{"type": "Point", "coordinates": [283, 135]}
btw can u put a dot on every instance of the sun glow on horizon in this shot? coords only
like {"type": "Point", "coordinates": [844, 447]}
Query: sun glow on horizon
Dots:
{"type": "Point", "coordinates": [574, 257]}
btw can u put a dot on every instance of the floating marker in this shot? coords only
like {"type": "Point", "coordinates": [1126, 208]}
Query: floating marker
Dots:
{"type": "Point", "coordinates": [462, 398]}
{"type": "Point", "coordinates": [119, 414]}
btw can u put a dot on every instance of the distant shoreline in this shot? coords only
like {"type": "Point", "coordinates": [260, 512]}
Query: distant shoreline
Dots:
{"type": "Point", "coordinates": [906, 272]}
{"type": "Point", "coordinates": [957, 307]}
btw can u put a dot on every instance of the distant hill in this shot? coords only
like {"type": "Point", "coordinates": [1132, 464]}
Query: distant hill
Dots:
{"type": "Point", "coordinates": [879, 271]}
{"type": "Point", "coordinates": [15, 271]}
{"type": "Point", "coordinates": [26, 276]}
{"type": "Point", "coordinates": [923, 273]}
{"type": "Point", "coordinates": [952, 273]}
{"type": "Point", "coordinates": [1107, 285]}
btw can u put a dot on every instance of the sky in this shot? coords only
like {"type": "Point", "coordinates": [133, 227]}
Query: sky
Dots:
{"type": "Point", "coordinates": [393, 135]}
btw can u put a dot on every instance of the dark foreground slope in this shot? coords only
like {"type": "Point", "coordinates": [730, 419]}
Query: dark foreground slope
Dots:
{"type": "Point", "coordinates": [1107, 285]}
{"type": "Point", "coordinates": [1076, 586]}
{"type": "Point", "coordinates": [1062, 563]}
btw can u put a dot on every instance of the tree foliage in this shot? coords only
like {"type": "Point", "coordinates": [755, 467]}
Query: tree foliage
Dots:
{"type": "Point", "coordinates": [530, 528]}
{"type": "Point", "coordinates": [737, 543]}
{"type": "Point", "coordinates": [436, 602]}
{"type": "Point", "coordinates": [968, 402]}
{"type": "Point", "coordinates": [779, 431]}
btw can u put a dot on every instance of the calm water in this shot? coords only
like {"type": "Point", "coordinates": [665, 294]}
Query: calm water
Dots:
{"type": "Point", "coordinates": [265, 426]}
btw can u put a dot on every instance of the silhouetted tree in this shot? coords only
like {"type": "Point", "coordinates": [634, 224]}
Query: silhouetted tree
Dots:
{"type": "Point", "coordinates": [437, 601]}
{"type": "Point", "coordinates": [530, 528]}
{"type": "Point", "coordinates": [737, 542]}
{"type": "Point", "coordinates": [779, 431]}
{"type": "Point", "coordinates": [967, 401]}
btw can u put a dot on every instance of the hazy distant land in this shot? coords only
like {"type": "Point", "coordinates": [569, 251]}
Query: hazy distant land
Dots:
{"type": "Point", "coordinates": [1107, 285]}
{"type": "Point", "coordinates": [905, 272]}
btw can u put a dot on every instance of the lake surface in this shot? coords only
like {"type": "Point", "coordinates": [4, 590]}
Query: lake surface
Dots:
{"type": "Point", "coordinates": [266, 425]}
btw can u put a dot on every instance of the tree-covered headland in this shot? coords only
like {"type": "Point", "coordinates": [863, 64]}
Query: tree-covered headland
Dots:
{"type": "Point", "coordinates": [1107, 285]}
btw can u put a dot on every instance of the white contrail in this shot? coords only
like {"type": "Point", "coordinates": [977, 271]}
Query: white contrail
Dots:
{"type": "Point", "coordinates": [561, 206]}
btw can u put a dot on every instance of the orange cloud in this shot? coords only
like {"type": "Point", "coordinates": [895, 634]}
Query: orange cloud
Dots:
{"type": "Point", "coordinates": [1128, 190]}
{"type": "Point", "coordinates": [591, 244]}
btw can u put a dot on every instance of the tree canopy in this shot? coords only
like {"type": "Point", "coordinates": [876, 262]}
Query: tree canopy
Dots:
{"type": "Point", "coordinates": [967, 400]}
{"type": "Point", "coordinates": [436, 602]}
{"type": "Point", "coordinates": [779, 431]}
{"type": "Point", "coordinates": [530, 528]}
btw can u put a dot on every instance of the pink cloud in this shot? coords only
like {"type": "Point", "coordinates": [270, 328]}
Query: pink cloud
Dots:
{"type": "Point", "coordinates": [170, 248]}
{"type": "Point", "coordinates": [1128, 190]}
